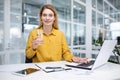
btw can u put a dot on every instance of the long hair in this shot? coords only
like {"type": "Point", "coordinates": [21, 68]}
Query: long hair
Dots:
{"type": "Point", "coordinates": [52, 8]}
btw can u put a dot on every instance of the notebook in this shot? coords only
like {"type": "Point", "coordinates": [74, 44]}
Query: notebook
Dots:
{"type": "Point", "coordinates": [101, 59]}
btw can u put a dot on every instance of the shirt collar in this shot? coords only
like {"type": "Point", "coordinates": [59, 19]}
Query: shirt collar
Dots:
{"type": "Point", "coordinates": [53, 32]}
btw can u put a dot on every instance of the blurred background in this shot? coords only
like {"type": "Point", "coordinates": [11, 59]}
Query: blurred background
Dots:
{"type": "Point", "coordinates": [86, 24]}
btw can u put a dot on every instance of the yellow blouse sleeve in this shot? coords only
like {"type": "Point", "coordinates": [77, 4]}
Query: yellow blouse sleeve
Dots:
{"type": "Point", "coordinates": [66, 51]}
{"type": "Point", "coordinates": [29, 51]}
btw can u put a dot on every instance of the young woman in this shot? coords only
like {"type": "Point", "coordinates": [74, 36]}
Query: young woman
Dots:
{"type": "Point", "coordinates": [47, 42]}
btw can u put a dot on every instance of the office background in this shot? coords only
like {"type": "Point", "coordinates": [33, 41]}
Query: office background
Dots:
{"type": "Point", "coordinates": [85, 23]}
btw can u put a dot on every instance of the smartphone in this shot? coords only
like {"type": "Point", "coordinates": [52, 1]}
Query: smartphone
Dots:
{"type": "Point", "coordinates": [26, 71]}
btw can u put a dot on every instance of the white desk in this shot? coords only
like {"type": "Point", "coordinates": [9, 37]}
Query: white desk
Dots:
{"type": "Point", "coordinates": [109, 71]}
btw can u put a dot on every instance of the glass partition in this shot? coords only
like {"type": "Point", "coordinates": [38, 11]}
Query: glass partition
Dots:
{"type": "Point", "coordinates": [15, 24]}
{"type": "Point", "coordinates": [1, 24]}
{"type": "Point", "coordinates": [106, 22]}
{"type": "Point", "coordinates": [77, 53]}
{"type": "Point", "coordinates": [95, 35]}
{"type": "Point", "coordinates": [30, 13]}
{"type": "Point", "coordinates": [107, 35]}
{"type": "Point", "coordinates": [94, 3]}
{"type": "Point", "coordinates": [111, 12]}
{"type": "Point", "coordinates": [100, 5]}
{"type": "Point", "coordinates": [93, 18]}
{"type": "Point", "coordinates": [63, 9]}
{"type": "Point", "coordinates": [79, 13]}
{"type": "Point", "coordinates": [119, 17]}
{"type": "Point", "coordinates": [17, 58]}
{"type": "Point", "coordinates": [106, 9]}
{"type": "Point", "coordinates": [99, 20]}
{"type": "Point", "coordinates": [79, 35]}
{"type": "Point", "coordinates": [66, 28]}
{"type": "Point", "coordinates": [83, 1]}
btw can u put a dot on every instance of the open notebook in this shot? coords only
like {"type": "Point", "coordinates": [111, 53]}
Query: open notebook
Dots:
{"type": "Point", "coordinates": [102, 57]}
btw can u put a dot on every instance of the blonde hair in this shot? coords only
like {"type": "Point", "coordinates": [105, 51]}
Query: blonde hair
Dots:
{"type": "Point", "coordinates": [52, 8]}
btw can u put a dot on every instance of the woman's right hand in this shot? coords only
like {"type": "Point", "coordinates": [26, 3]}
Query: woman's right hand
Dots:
{"type": "Point", "coordinates": [36, 42]}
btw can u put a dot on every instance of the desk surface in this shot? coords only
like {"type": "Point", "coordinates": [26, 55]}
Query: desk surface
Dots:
{"type": "Point", "coordinates": [109, 71]}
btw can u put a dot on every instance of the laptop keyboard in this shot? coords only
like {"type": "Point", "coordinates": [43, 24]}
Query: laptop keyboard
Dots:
{"type": "Point", "coordinates": [91, 62]}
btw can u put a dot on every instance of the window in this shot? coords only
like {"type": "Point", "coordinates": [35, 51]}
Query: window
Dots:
{"type": "Point", "coordinates": [66, 28]}
{"type": "Point", "coordinates": [100, 5]}
{"type": "Point", "coordinates": [79, 13]}
{"type": "Point", "coordinates": [1, 24]}
{"type": "Point", "coordinates": [63, 9]}
{"type": "Point", "coordinates": [100, 20]}
{"type": "Point", "coordinates": [106, 9]}
{"type": "Point", "coordinates": [93, 18]}
{"type": "Point", "coordinates": [94, 3]}
{"type": "Point", "coordinates": [79, 35]}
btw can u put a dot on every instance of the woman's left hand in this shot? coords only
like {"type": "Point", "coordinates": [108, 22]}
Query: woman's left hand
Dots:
{"type": "Point", "coordinates": [78, 59]}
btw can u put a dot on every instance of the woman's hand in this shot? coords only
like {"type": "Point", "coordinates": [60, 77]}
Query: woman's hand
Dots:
{"type": "Point", "coordinates": [78, 59]}
{"type": "Point", "coordinates": [36, 42]}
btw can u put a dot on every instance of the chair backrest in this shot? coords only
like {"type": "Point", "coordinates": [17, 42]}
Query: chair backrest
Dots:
{"type": "Point", "coordinates": [27, 60]}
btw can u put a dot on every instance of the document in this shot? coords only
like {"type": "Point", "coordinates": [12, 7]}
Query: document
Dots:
{"type": "Point", "coordinates": [49, 69]}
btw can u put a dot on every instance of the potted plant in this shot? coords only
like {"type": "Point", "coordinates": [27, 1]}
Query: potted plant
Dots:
{"type": "Point", "coordinates": [116, 57]}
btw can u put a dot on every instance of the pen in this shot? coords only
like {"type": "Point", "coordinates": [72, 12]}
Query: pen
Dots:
{"type": "Point", "coordinates": [58, 68]}
{"type": "Point", "coordinates": [53, 67]}
{"type": "Point", "coordinates": [68, 69]}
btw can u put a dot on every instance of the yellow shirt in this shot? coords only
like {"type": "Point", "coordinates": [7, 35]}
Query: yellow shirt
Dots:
{"type": "Point", "coordinates": [54, 48]}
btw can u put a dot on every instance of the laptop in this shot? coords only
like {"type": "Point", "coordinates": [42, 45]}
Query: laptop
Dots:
{"type": "Point", "coordinates": [101, 59]}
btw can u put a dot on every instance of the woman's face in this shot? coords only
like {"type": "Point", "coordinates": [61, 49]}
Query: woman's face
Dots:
{"type": "Point", "coordinates": [47, 17]}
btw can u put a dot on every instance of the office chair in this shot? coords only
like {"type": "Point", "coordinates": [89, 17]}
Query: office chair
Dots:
{"type": "Point", "coordinates": [27, 60]}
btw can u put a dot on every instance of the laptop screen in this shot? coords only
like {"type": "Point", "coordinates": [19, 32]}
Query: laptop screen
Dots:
{"type": "Point", "coordinates": [105, 52]}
